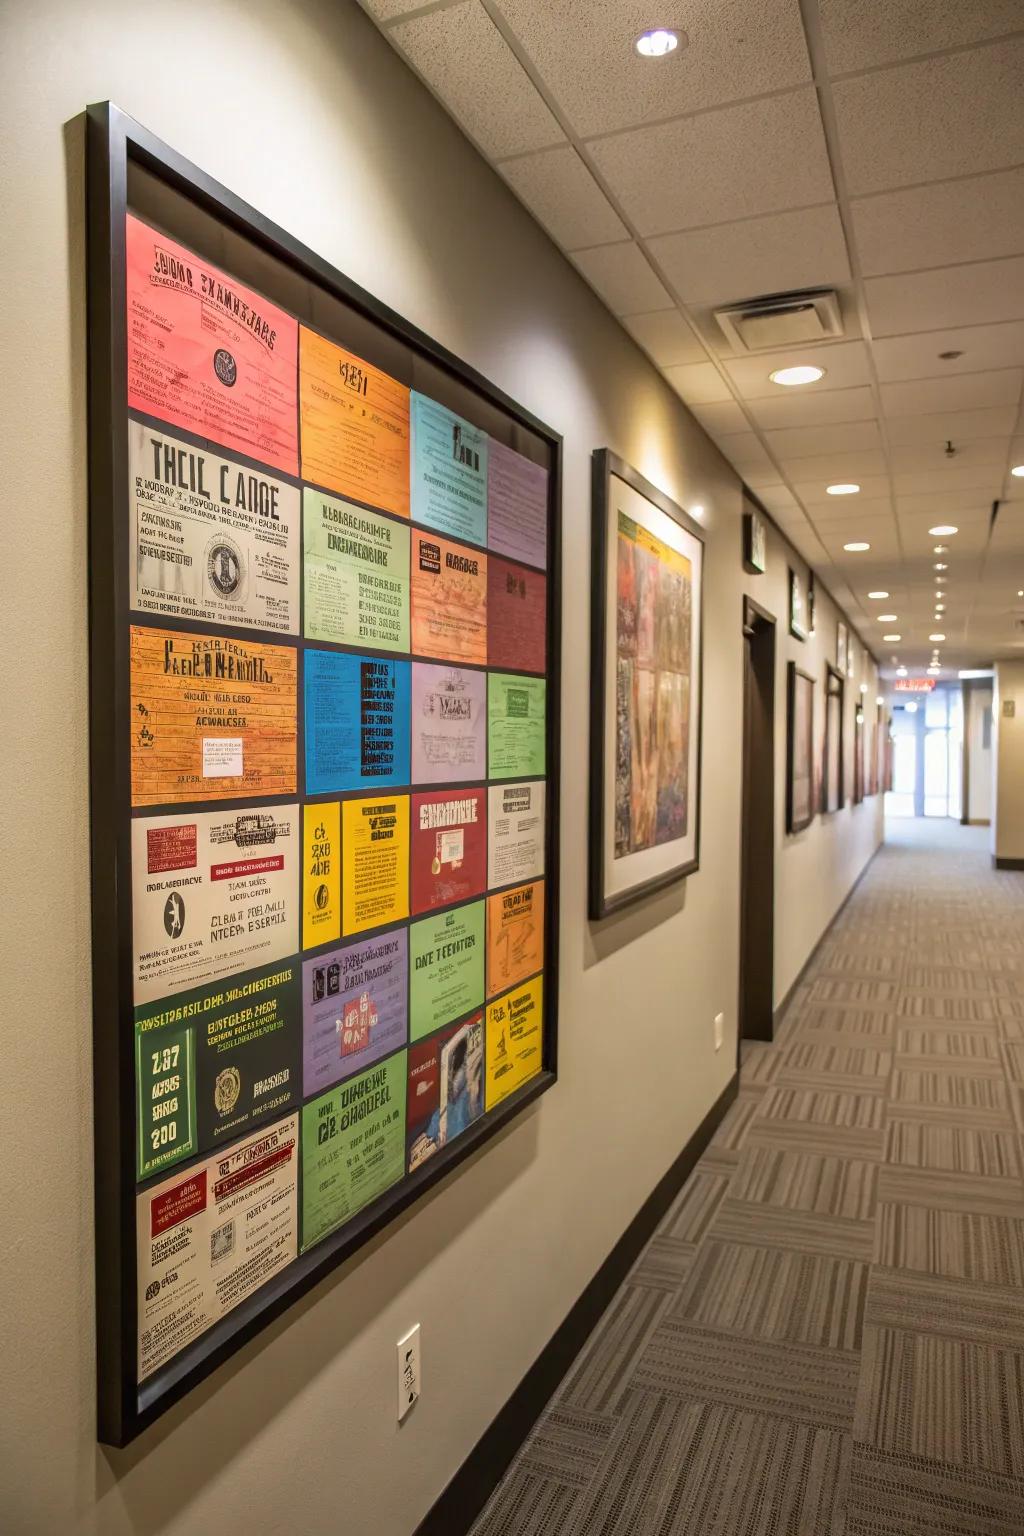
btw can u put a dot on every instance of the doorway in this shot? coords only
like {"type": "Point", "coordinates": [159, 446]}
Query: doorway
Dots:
{"type": "Point", "coordinates": [757, 867]}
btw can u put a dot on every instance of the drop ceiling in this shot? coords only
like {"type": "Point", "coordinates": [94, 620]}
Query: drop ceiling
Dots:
{"type": "Point", "coordinates": [871, 146]}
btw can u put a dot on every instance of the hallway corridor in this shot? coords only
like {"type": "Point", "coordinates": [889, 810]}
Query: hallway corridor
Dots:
{"type": "Point", "coordinates": [826, 1334]}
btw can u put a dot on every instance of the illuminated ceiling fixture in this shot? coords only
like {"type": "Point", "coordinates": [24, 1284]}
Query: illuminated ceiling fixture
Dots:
{"type": "Point", "coordinates": [657, 43]}
{"type": "Point", "coordinates": [887, 618]}
{"type": "Point", "coordinates": [943, 530]}
{"type": "Point", "coordinates": [942, 549]}
{"type": "Point", "coordinates": [940, 566]}
{"type": "Point", "coordinates": [936, 638]}
{"type": "Point", "coordinates": [901, 671]}
{"type": "Point", "coordinates": [805, 373]}
{"type": "Point", "coordinates": [697, 511]}
{"type": "Point", "coordinates": [911, 708]}
{"type": "Point", "coordinates": [1018, 471]}
{"type": "Point", "coordinates": [879, 699]}
{"type": "Point", "coordinates": [844, 488]}
{"type": "Point", "coordinates": [856, 549]}
{"type": "Point", "coordinates": [892, 639]}
{"type": "Point", "coordinates": [878, 595]}
{"type": "Point", "coordinates": [933, 671]}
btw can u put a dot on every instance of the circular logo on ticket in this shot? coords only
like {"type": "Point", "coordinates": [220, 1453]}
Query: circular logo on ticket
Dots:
{"type": "Point", "coordinates": [322, 897]}
{"type": "Point", "coordinates": [225, 367]}
{"type": "Point", "coordinates": [224, 569]}
{"type": "Point", "coordinates": [174, 915]}
{"type": "Point", "coordinates": [226, 1090]}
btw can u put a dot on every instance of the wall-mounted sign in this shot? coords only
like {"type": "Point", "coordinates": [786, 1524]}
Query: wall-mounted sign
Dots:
{"type": "Point", "coordinates": [913, 685]}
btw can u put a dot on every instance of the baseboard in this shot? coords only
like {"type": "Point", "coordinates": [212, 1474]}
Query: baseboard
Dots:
{"type": "Point", "coordinates": [465, 1496]}
{"type": "Point", "coordinates": [1007, 863]}
{"type": "Point", "coordinates": [823, 935]}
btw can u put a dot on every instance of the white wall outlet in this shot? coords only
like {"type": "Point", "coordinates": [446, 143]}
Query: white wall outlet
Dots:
{"type": "Point", "coordinates": [408, 1371]}
{"type": "Point", "coordinates": [719, 1030]}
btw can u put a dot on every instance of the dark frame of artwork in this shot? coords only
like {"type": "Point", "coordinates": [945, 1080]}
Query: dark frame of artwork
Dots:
{"type": "Point", "coordinates": [799, 613]}
{"type": "Point", "coordinates": [833, 794]}
{"type": "Point", "coordinates": [799, 682]}
{"type": "Point", "coordinates": [122, 155]}
{"type": "Point", "coordinates": [603, 899]}
{"type": "Point", "coordinates": [755, 543]}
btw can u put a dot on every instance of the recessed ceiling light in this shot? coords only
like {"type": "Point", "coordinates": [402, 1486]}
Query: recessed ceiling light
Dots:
{"type": "Point", "coordinates": [911, 707]}
{"type": "Point", "coordinates": [887, 618]}
{"type": "Point", "coordinates": [844, 488]}
{"type": "Point", "coordinates": [943, 530]}
{"type": "Point", "coordinates": [936, 637]}
{"type": "Point", "coordinates": [805, 373]}
{"type": "Point", "coordinates": [1018, 470]}
{"type": "Point", "coordinates": [879, 699]}
{"type": "Point", "coordinates": [878, 595]}
{"type": "Point", "coordinates": [856, 549]}
{"type": "Point", "coordinates": [933, 671]}
{"type": "Point", "coordinates": [891, 639]}
{"type": "Point", "coordinates": [941, 566]}
{"type": "Point", "coordinates": [656, 43]}
{"type": "Point", "coordinates": [901, 671]}
{"type": "Point", "coordinates": [1020, 592]}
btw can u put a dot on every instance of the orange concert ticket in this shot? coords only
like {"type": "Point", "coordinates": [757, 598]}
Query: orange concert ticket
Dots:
{"type": "Point", "coordinates": [355, 426]}
{"type": "Point", "coordinates": [515, 936]}
{"type": "Point", "coordinates": [213, 718]}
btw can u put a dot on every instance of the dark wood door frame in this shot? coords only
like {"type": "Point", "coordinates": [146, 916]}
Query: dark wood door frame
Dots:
{"type": "Point", "coordinates": [757, 832]}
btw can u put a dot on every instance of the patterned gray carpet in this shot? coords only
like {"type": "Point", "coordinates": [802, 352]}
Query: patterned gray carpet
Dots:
{"type": "Point", "coordinates": [826, 1335]}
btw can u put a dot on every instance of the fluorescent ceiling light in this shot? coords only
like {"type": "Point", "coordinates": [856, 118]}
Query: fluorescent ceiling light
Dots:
{"type": "Point", "coordinates": [655, 44]}
{"type": "Point", "coordinates": [805, 373]}
{"type": "Point", "coordinates": [856, 549]}
{"type": "Point", "coordinates": [901, 671]}
{"type": "Point", "coordinates": [892, 639]}
{"type": "Point", "coordinates": [936, 637]}
{"type": "Point", "coordinates": [943, 530]}
{"type": "Point", "coordinates": [844, 488]}
{"type": "Point", "coordinates": [878, 596]}
{"type": "Point", "coordinates": [887, 618]}
{"type": "Point", "coordinates": [1018, 471]}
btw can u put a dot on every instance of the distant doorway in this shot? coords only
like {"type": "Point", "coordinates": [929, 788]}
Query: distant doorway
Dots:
{"type": "Point", "coordinates": [757, 870]}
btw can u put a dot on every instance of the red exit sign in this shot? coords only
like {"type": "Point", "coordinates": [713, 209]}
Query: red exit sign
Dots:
{"type": "Point", "coordinates": [913, 685]}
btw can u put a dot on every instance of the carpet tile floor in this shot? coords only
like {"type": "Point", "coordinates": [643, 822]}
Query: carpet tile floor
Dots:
{"type": "Point", "coordinates": [825, 1337]}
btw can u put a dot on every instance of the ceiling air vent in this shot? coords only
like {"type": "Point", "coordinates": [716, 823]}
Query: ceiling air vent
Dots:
{"type": "Point", "coordinates": [782, 320]}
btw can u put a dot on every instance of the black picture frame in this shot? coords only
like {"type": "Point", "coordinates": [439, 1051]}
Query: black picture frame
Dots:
{"type": "Point", "coordinates": [606, 465]}
{"type": "Point", "coordinates": [799, 683]}
{"type": "Point", "coordinates": [755, 544]}
{"type": "Point", "coordinates": [798, 610]}
{"type": "Point", "coordinates": [118, 150]}
{"type": "Point", "coordinates": [833, 785]}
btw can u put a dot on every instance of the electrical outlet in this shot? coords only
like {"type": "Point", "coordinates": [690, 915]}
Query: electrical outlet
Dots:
{"type": "Point", "coordinates": [408, 1371]}
{"type": "Point", "coordinates": [719, 1030]}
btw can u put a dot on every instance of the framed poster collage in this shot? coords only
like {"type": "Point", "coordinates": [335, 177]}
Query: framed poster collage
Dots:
{"type": "Point", "coordinates": [324, 645]}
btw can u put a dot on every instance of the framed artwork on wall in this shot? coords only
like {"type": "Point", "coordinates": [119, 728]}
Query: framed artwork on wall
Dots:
{"type": "Point", "coordinates": [810, 602]}
{"type": "Point", "coordinates": [755, 557]}
{"type": "Point", "coordinates": [799, 749]}
{"type": "Point", "coordinates": [832, 757]}
{"type": "Point", "coordinates": [324, 636]}
{"type": "Point", "coordinates": [798, 617]}
{"type": "Point", "coordinates": [842, 641]}
{"type": "Point", "coordinates": [646, 698]}
{"type": "Point", "coordinates": [859, 735]}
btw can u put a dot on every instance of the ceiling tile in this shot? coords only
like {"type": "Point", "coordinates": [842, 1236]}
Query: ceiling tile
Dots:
{"type": "Point", "coordinates": [801, 442]}
{"type": "Point", "coordinates": [561, 193]}
{"type": "Point", "coordinates": [931, 456]}
{"type": "Point", "coordinates": [943, 506]}
{"type": "Point", "coordinates": [780, 502]}
{"type": "Point", "coordinates": [756, 157]}
{"type": "Point", "coordinates": [969, 220]}
{"type": "Point", "coordinates": [977, 294]}
{"type": "Point", "coordinates": [949, 116]}
{"type": "Point", "coordinates": [837, 509]}
{"type": "Point", "coordinates": [734, 49]}
{"type": "Point", "coordinates": [723, 417]}
{"type": "Point", "coordinates": [813, 407]}
{"type": "Point", "coordinates": [465, 60]}
{"type": "Point", "coordinates": [958, 392]}
{"type": "Point", "coordinates": [622, 276]}
{"type": "Point", "coordinates": [698, 383]}
{"type": "Point", "coordinates": [666, 338]}
{"type": "Point", "coordinates": [745, 453]}
{"type": "Point", "coordinates": [844, 362]}
{"type": "Point", "coordinates": [855, 464]}
{"type": "Point", "coordinates": [984, 347]}
{"type": "Point", "coordinates": [859, 35]}
{"type": "Point", "coordinates": [961, 426]}
{"type": "Point", "coordinates": [775, 254]}
{"type": "Point", "coordinates": [387, 10]}
{"type": "Point", "coordinates": [982, 479]}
